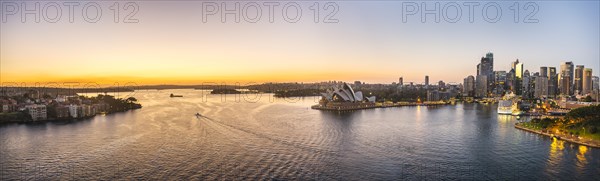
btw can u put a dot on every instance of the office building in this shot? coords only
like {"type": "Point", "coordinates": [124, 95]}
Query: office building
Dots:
{"type": "Point", "coordinates": [541, 87]}
{"type": "Point", "coordinates": [481, 86]}
{"type": "Point", "coordinates": [469, 86]}
{"type": "Point", "coordinates": [578, 79]}
{"type": "Point", "coordinates": [565, 78]}
{"type": "Point", "coordinates": [552, 82]}
{"type": "Point", "coordinates": [586, 81]}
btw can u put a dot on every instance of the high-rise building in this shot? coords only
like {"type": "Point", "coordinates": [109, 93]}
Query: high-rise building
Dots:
{"type": "Point", "coordinates": [486, 67]}
{"type": "Point", "coordinates": [541, 87]}
{"type": "Point", "coordinates": [518, 66]}
{"type": "Point", "coordinates": [401, 81]}
{"type": "Point", "coordinates": [565, 78]}
{"type": "Point", "coordinates": [481, 86]}
{"type": "Point", "coordinates": [469, 86]}
{"type": "Point", "coordinates": [544, 71]}
{"type": "Point", "coordinates": [578, 79]}
{"type": "Point", "coordinates": [526, 85]}
{"type": "Point", "coordinates": [586, 81]}
{"type": "Point", "coordinates": [595, 83]}
{"type": "Point", "coordinates": [426, 80]}
{"type": "Point", "coordinates": [565, 85]}
{"type": "Point", "coordinates": [552, 82]}
{"type": "Point", "coordinates": [510, 80]}
{"type": "Point", "coordinates": [500, 82]}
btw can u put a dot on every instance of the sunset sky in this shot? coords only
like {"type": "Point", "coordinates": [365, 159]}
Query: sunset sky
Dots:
{"type": "Point", "coordinates": [172, 45]}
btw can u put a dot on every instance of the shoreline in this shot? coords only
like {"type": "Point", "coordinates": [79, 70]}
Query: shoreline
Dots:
{"type": "Point", "coordinates": [336, 108]}
{"type": "Point", "coordinates": [567, 138]}
{"type": "Point", "coordinates": [62, 119]}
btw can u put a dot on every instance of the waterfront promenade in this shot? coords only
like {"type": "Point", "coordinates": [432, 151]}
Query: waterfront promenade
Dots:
{"type": "Point", "coordinates": [565, 137]}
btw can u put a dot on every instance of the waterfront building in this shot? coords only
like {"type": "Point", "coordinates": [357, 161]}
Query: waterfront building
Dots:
{"type": "Point", "coordinates": [61, 111]}
{"type": "Point", "coordinates": [435, 95]}
{"type": "Point", "coordinates": [586, 81]}
{"type": "Point", "coordinates": [344, 98]}
{"type": "Point", "coordinates": [565, 78]}
{"type": "Point", "coordinates": [73, 110]}
{"type": "Point", "coordinates": [37, 112]}
{"type": "Point", "coordinates": [486, 68]}
{"type": "Point", "coordinates": [481, 86]}
{"type": "Point", "coordinates": [469, 86]}
{"type": "Point", "coordinates": [8, 105]}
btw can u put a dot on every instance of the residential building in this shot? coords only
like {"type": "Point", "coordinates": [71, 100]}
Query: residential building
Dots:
{"type": "Point", "coordinates": [37, 112]}
{"type": "Point", "coordinates": [73, 111]}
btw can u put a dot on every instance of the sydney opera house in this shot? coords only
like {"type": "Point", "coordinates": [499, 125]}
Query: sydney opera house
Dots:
{"type": "Point", "coordinates": [344, 98]}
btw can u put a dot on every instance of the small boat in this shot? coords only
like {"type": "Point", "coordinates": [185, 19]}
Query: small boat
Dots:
{"type": "Point", "coordinates": [173, 95]}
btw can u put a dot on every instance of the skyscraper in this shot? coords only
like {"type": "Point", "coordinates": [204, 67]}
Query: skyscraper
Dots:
{"type": "Point", "coordinates": [544, 71]}
{"type": "Point", "coordinates": [469, 86]}
{"type": "Point", "coordinates": [596, 83]}
{"type": "Point", "coordinates": [426, 80]}
{"type": "Point", "coordinates": [518, 66]}
{"type": "Point", "coordinates": [587, 81]}
{"type": "Point", "coordinates": [541, 87]}
{"type": "Point", "coordinates": [481, 86]}
{"type": "Point", "coordinates": [565, 78]}
{"type": "Point", "coordinates": [552, 82]}
{"type": "Point", "coordinates": [500, 82]}
{"type": "Point", "coordinates": [486, 68]}
{"type": "Point", "coordinates": [578, 79]}
{"type": "Point", "coordinates": [401, 81]}
{"type": "Point", "coordinates": [526, 85]}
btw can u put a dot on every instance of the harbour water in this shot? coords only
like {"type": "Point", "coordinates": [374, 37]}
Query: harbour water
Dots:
{"type": "Point", "coordinates": [259, 137]}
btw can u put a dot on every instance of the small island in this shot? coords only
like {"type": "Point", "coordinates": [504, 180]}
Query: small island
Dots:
{"type": "Point", "coordinates": [225, 91]}
{"type": "Point", "coordinates": [579, 126]}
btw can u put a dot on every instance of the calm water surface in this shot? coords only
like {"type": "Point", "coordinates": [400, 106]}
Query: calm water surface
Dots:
{"type": "Point", "coordinates": [266, 138]}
